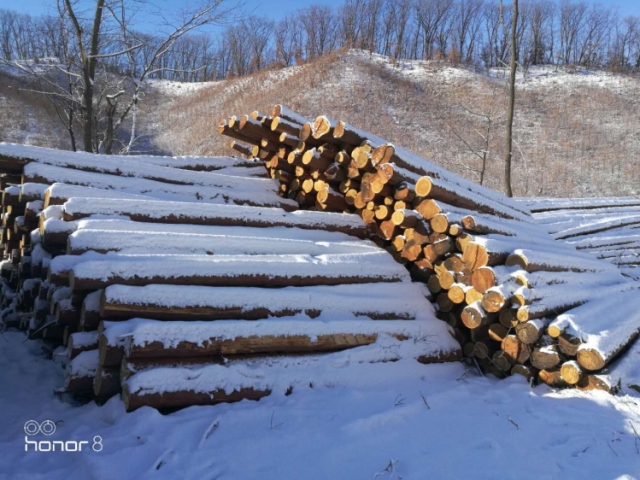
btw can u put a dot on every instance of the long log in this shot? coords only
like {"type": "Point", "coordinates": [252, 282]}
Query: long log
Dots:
{"type": "Point", "coordinates": [209, 214]}
{"type": "Point", "coordinates": [189, 339]}
{"type": "Point", "coordinates": [419, 166]}
{"type": "Point", "coordinates": [175, 302]}
{"type": "Point", "coordinates": [238, 190]}
{"type": "Point", "coordinates": [106, 383]}
{"type": "Point", "coordinates": [248, 270]}
{"type": "Point", "coordinates": [103, 241]}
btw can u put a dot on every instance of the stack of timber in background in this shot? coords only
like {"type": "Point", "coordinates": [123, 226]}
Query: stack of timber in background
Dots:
{"type": "Point", "coordinates": [139, 270]}
{"type": "Point", "coordinates": [608, 228]}
{"type": "Point", "coordinates": [495, 273]}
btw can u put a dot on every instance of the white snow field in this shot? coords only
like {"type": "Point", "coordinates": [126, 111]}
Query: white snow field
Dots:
{"type": "Point", "coordinates": [372, 423]}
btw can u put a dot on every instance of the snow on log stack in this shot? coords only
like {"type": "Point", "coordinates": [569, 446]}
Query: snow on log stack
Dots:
{"type": "Point", "coordinates": [190, 281]}
{"type": "Point", "coordinates": [184, 281]}
{"type": "Point", "coordinates": [518, 297]}
{"type": "Point", "coordinates": [608, 228]}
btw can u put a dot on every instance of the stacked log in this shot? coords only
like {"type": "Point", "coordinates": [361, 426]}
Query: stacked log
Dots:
{"type": "Point", "coordinates": [608, 228]}
{"type": "Point", "coordinates": [357, 234]}
{"type": "Point", "coordinates": [91, 245]}
{"type": "Point", "coordinates": [494, 274]}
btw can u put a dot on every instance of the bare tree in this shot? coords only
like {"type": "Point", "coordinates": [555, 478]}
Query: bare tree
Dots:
{"type": "Point", "coordinates": [480, 145]}
{"type": "Point", "coordinates": [512, 100]}
{"type": "Point", "coordinates": [102, 64]}
{"type": "Point", "coordinates": [540, 18]}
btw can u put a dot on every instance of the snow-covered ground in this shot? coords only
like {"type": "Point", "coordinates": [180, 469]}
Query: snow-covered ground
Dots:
{"type": "Point", "coordinates": [399, 420]}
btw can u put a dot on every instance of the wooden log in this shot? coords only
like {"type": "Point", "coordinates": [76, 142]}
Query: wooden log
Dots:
{"type": "Point", "coordinates": [186, 398]}
{"type": "Point", "coordinates": [128, 367]}
{"type": "Point", "coordinates": [282, 125]}
{"type": "Point", "coordinates": [288, 114]}
{"type": "Point", "coordinates": [568, 344]}
{"type": "Point", "coordinates": [598, 382]}
{"type": "Point", "coordinates": [545, 358]}
{"type": "Point", "coordinates": [502, 361]}
{"type": "Point", "coordinates": [209, 214]}
{"type": "Point", "coordinates": [527, 371]}
{"type": "Point", "coordinates": [90, 311]}
{"type": "Point", "coordinates": [534, 261]}
{"type": "Point", "coordinates": [497, 332]}
{"type": "Point", "coordinates": [601, 350]}
{"type": "Point", "coordinates": [515, 350]}
{"type": "Point", "coordinates": [571, 372]}
{"type": "Point", "coordinates": [80, 372]}
{"type": "Point", "coordinates": [474, 316]}
{"type": "Point", "coordinates": [81, 342]}
{"type": "Point", "coordinates": [172, 339]}
{"type": "Point", "coordinates": [251, 271]}
{"type": "Point", "coordinates": [243, 149]}
{"type": "Point", "coordinates": [176, 302]}
{"type": "Point", "coordinates": [552, 377]}
{"type": "Point", "coordinates": [106, 383]}
{"type": "Point", "coordinates": [433, 188]}
{"type": "Point", "coordinates": [531, 331]}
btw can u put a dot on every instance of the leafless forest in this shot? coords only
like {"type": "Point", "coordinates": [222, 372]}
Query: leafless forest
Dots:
{"type": "Point", "coordinates": [474, 32]}
{"type": "Point", "coordinates": [427, 74]}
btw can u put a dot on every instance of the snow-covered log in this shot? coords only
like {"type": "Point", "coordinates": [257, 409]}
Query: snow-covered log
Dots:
{"type": "Point", "coordinates": [209, 214]}
{"type": "Point", "coordinates": [240, 270]}
{"type": "Point", "coordinates": [379, 301]}
{"type": "Point", "coordinates": [188, 339]}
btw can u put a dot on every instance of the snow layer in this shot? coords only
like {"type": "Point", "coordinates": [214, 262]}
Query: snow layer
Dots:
{"type": "Point", "coordinates": [123, 224]}
{"type": "Point", "coordinates": [626, 370]}
{"type": "Point", "coordinates": [378, 264]}
{"type": "Point", "coordinates": [252, 191]}
{"type": "Point", "coordinates": [606, 321]}
{"type": "Point", "coordinates": [34, 189]}
{"type": "Point", "coordinates": [579, 262]}
{"type": "Point", "coordinates": [158, 242]}
{"type": "Point", "coordinates": [170, 334]}
{"type": "Point", "coordinates": [63, 190]}
{"type": "Point", "coordinates": [541, 204]}
{"type": "Point", "coordinates": [65, 157]}
{"type": "Point", "coordinates": [401, 300]}
{"type": "Point", "coordinates": [132, 167]}
{"type": "Point", "coordinates": [231, 213]}
{"type": "Point", "coordinates": [279, 373]}
{"type": "Point", "coordinates": [84, 365]}
{"type": "Point", "coordinates": [84, 339]}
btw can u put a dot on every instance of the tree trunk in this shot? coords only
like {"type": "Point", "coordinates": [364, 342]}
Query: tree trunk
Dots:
{"type": "Point", "coordinates": [512, 100]}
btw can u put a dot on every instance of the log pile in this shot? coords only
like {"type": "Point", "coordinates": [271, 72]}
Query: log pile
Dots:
{"type": "Point", "coordinates": [608, 228]}
{"type": "Point", "coordinates": [184, 281]}
{"type": "Point", "coordinates": [495, 274]}
{"type": "Point", "coordinates": [227, 275]}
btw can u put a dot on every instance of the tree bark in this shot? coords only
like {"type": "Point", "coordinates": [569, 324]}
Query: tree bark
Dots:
{"type": "Point", "coordinates": [512, 100]}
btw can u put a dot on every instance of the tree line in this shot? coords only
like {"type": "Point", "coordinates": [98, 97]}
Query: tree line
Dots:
{"type": "Point", "coordinates": [92, 62]}
{"type": "Point", "coordinates": [474, 32]}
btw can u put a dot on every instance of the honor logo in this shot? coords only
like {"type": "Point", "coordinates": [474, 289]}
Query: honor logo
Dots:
{"type": "Point", "coordinates": [47, 428]}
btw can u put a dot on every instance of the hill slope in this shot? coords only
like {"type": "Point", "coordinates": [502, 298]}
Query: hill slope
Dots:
{"type": "Point", "coordinates": [576, 134]}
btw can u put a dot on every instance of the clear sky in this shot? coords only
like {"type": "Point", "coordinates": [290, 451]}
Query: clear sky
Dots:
{"type": "Point", "coordinates": [270, 8]}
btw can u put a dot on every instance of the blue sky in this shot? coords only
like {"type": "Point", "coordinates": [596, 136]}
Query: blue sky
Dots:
{"type": "Point", "coordinates": [270, 8]}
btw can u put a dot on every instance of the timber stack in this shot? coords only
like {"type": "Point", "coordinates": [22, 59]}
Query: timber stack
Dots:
{"type": "Point", "coordinates": [188, 281]}
{"type": "Point", "coordinates": [519, 297]}
{"type": "Point", "coordinates": [195, 280]}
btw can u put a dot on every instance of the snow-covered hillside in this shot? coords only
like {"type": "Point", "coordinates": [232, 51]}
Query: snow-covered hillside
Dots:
{"type": "Point", "coordinates": [575, 130]}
